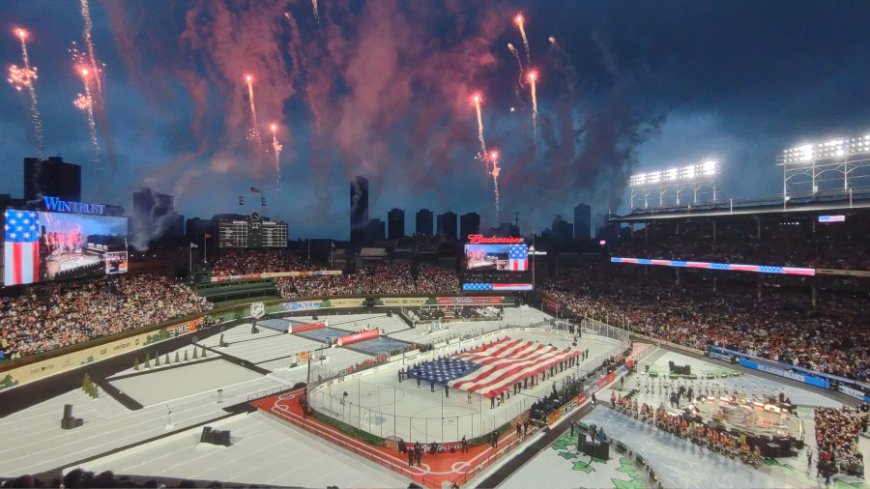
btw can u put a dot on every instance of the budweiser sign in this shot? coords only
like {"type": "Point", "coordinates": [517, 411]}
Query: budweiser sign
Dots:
{"type": "Point", "coordinates": [481, 239]}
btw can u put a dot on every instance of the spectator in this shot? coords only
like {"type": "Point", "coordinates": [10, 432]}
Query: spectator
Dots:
{"type": "Point", "coordinates": [53, 315]}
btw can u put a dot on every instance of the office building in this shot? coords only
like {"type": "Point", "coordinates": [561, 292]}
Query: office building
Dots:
{"type": "Point", "coordinates": [396, 222]}
{"type": "Point", "coordinates": [53, 177]}
{"type": "Point", "coordinates": [562, 231]}
{"type": "Point", "coordinates": [375, 231]}
{"type": "Point", "coordinates": [447, 225]}
{"type": "Point", "coordinates": [582, 222]}
{"type": "Point", "coordinates": [469, 223]}
{"type": "Point", "coordinates": [424, 222]}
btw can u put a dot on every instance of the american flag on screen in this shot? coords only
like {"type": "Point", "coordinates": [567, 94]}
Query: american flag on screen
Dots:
{"type": "Point", "coordinates": [21, 264]}
{"type": "Point", "coordinates": [518, 258]}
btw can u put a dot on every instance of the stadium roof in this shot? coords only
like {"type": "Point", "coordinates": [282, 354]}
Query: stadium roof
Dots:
{"type": "Point", "coordinates": [793, 205]}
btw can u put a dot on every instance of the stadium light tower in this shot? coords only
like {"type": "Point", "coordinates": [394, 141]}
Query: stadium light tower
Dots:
{"type": "Point", "coordinates": [698, 178]}
{"type": "Point", "coordinates": [847, 158]}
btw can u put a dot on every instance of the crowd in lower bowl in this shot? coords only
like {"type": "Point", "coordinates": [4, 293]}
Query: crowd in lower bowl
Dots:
{"type": "Point", "coordinates": [50, 316]}
{"type": "Point", "coordinates": [832, 338]}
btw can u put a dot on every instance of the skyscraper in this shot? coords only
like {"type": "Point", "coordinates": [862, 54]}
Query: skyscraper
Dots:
{"type": "Point", "coordinates": [153, 216]}
{"type": "Point", "coordinates": [396, 223]}
{"type": "Point", "coordinates": [562, 231]}
{"type": "Point", "coordinates": [375, 231]}
{"type": "Point", "coordinates": [155, 205]}
{"type": "Point", "coordinates": [53, 177]}
{"type": "Point", "coordinates": [424, 222]}
{"type": "Point", "coordinates": [582, 222]}
{"type": "Point", "coordinates": [469, 223]}
{"type": "Point", "coordinates": [447, 225]}
{"type": "Point", "coordinates": [359, 210]}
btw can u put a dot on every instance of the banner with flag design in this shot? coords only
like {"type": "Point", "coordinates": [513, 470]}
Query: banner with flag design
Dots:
{"type": "Point", "coordinates": [21, 247]}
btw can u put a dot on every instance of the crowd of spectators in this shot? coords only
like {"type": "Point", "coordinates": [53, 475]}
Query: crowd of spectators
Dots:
{"type": "Point", "coordinates": [789, 243]}
{"type": "Point", "coordinates": [782, 325]}
{"type": "Point", "coordinates": [375, 279]}
{"type": "Point", "coordinates": [837, 433]}
{"type": "Point", "coordinates": [322, 285]}
{"type": "Point", "coordinates": [435, 280]}
{"type": "Point", "coordinates": [243, 262]}
{"type": "Point", "coordinates": [79, 478]}
{"type": "Point", "coordinates": [53, 315]}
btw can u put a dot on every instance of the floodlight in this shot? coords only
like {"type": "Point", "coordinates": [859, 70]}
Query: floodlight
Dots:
{"type": "Point", "coordinates": [710, 167]}
{"type": "Point", "coordinates": [805, 152]}
{"type": "Point", "coordinates": [704, 170]}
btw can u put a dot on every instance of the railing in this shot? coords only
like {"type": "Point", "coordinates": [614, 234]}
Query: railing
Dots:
{"type": "Point", "coordinates": [368, 454]}
{"type": "Point", "coordinates": [486, 462]}
{"type": "Point", "coordinates": [268, 393]}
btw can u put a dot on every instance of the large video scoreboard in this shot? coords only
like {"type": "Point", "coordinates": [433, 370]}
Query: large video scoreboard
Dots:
{"type": "Point", "coordinates": [495, 264]}
{"type": "Point", "coordinates": [254, 232]}
{"type": "Point", "coordinates": [69, 240]}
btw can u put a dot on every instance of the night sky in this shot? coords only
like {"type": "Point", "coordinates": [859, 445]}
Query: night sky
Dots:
{"type": "Point", "coordinates": [382, 88]}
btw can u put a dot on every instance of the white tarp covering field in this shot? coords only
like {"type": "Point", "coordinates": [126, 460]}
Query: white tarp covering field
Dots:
{"type": "Point", "coordinates": [40, 444]}
{"type": "Point", "coordinates": [264, 450]}
{"type": "Point", "coordinates": [166, 385]}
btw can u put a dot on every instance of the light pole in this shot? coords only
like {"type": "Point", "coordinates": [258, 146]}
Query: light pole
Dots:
{"type": "Point", "coordinates": [169, 424]}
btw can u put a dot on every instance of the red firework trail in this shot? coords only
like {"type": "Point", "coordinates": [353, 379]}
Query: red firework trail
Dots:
{"type": "Point", "coordinates": [476, 99]}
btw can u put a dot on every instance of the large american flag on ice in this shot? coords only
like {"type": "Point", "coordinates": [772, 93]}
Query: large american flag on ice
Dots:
{"type": "Point", "coordinates": [493, 368]}
{"type": "Point", "coordinates": [21, 264]}
{"type": "Point", "coordinates": [518, 258]}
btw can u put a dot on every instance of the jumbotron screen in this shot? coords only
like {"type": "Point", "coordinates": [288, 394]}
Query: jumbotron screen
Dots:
{"type": "Point", "coordinates": [43, 246]}
{"type": "Point", "coordinates": [496, 267]}
{"type": "Point", "coordinates": [497, 257]}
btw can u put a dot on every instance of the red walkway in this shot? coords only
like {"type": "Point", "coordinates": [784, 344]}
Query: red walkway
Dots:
{"type": "Point", "coordinates": [433, 469]}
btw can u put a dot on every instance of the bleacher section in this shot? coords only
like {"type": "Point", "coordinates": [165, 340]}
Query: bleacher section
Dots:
{"type": "Point", "coordinates": [240, 289]}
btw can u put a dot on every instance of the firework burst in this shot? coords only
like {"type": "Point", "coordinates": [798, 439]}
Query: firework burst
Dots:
{"type": "Point", "coordinates": [314, 8]}
{"type": "Point", "coordinates": [516, 55]}
{"type": "Point", "coordinates": [520, 21]}
{"type": "Point", "coordinates": [82, 102]}
{"type": "Point", "coordinates": [87, 105]}
{"type": "Point", "coordinates": [25, 77]}
{"type": "Point", "coordinates": [22, 78]}
{"type": "Point", "coordinates": [92, 62]}
{"type": "Point", "coordinates": [255, 127]}
{"type": "Point", "coordinates": [533, 82]}
{"type": "Point", "coordinates": [495, 171]}
{"type": "Point", "coordinates": [276, 150]}
{"type": "Point", "coordinates": [476, 98]}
